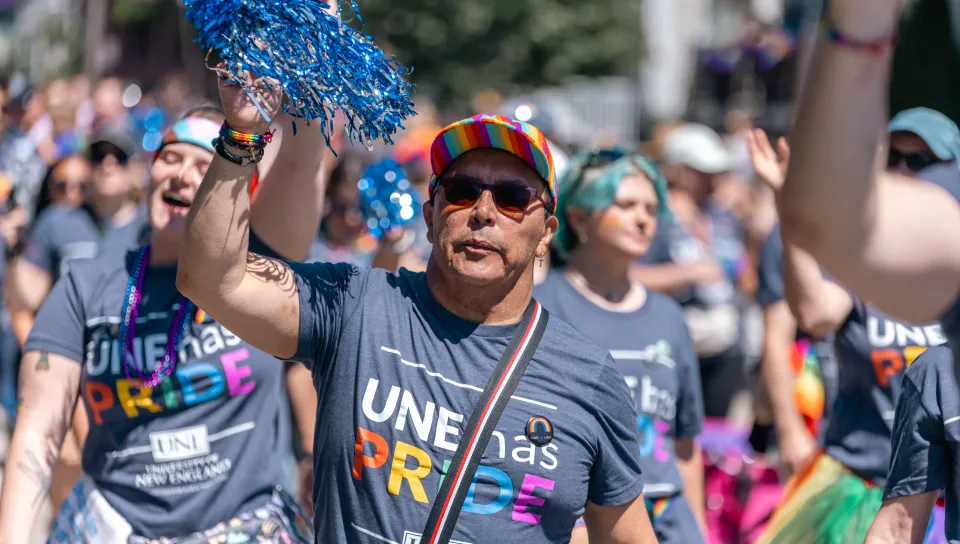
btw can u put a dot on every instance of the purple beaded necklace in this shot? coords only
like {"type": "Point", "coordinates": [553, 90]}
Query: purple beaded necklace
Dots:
{"type": "Point", "coordinates": [128, 321]}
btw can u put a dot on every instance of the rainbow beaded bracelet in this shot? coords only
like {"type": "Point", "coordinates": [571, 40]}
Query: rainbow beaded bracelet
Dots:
{"type": "Point", "coordinates": [244, 139]}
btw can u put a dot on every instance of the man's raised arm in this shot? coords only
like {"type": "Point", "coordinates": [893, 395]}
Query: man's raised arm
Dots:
{"type": "Point", "coordinates": [252, 296]}
{"type": "Point", "coordinates": [870, 229]}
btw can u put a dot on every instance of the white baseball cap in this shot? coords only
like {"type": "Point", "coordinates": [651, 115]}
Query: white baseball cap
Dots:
{"type": "Point", "coordinates": [697, 146]}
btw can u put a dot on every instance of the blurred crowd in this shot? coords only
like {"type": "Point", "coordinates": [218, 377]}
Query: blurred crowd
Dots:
{"type": "Point", "coordinates": [74, 156]}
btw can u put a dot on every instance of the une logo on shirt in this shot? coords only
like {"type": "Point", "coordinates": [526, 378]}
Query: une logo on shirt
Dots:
{"type": "Point", "coordinates": [896, 345]}
{"type": "Point", "coordinates": [180, 444]}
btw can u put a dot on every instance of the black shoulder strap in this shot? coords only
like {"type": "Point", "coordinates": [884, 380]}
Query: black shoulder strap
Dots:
{"type": "Point", "coordinates": [496, 395]}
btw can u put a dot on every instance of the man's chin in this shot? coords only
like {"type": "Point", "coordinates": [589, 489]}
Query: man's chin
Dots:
{"type": "Point", "coordinates": [478, 273]}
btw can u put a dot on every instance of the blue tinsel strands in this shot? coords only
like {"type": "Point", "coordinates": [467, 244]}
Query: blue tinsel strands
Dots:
{"type": "Point", "coordinates": [321, 63]}
{"type": "Point", "coordinates": [387, 198]}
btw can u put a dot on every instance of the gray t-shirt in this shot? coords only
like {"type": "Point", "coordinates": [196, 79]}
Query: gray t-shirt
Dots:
{"type": "Point", "coordinates": [654, 352]}
{"type": "Point", "coordinates": [873, 349]}
{"type": "Point", "coordinates": [947, 176]}
{"type": "Point", "coordinates": [926, 435]}
{"type": "Point", "coordinates": [118, 240]}
{"type": "Point", "coordinates": [402, 374]}
{"type": "Point", "coordinates": [63, 234]}
{"type": "Point", "coordinates": [203, 447]}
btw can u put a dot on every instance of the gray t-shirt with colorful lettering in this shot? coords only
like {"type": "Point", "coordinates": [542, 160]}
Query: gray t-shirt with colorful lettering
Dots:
{"type": "Point", "coordinates": [208, 443]}
{"type": "Point", "coordinates": [654, 352]}
{"type": "Point", "coordinates": [402, 375]}
{"type": "Point", "coordinates": [873, 350]}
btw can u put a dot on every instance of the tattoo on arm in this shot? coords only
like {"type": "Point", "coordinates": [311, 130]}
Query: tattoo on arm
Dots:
{"type": "Point", "coordinates": [43, 362]}
{"type": "Point", "coordinates": [271, 271]}
{"type": "Point", "coordinates": [40, 475]}
{"type": "Point", "coordinates": [39, 468]}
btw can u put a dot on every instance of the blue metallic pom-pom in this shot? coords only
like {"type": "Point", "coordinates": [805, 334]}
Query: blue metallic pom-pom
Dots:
{"type": "Point", "coordinates": [322, 63]}
{"type": "Point", "coordinates": [387, 197]}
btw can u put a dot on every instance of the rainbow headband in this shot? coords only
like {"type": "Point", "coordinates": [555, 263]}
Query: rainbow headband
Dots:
{"type": "Point", "coordinates": [192, 130]}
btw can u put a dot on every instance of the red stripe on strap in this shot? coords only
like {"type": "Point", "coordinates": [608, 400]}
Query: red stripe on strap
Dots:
{"type": "Point", "coordinates": [483, 417]}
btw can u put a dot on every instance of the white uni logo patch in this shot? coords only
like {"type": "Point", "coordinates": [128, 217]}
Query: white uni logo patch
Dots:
{"type": "Point", "coordinates": [180, 444]}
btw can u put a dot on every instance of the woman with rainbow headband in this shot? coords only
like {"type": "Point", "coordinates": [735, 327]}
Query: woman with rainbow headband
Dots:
{"type": "Point", "coordinates": [836, 493]}
{"type": "Point", "coordinates": [610, 205]}
{"type": "Point", "coordinates": [187, 422]}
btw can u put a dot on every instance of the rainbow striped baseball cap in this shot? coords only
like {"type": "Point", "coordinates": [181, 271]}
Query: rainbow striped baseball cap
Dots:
{"type": "Point", "coordinates": [494, 131]}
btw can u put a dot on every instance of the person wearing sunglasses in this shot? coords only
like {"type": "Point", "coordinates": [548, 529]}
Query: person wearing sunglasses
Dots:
{"type": "Point", "coordinates": [108, 220]}
{"type": "Point", "coordinates": [838, 490]}
{"type": "Point", "coordinates": [66, 184]}
{"type": "Point", "coordinates": [921, 138]}
{"type": "Point", "coordinates": [400, 360]}
{"type": "Point", "coordinates": [609, 213]}
{"type": "Point", "coordinates": [188, 426]}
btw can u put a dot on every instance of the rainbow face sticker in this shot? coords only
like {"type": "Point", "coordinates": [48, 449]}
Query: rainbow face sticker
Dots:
{"type": "Point", "coordinates": [539, 431]}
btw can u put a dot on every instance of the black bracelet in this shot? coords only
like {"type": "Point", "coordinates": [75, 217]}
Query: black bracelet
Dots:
{"type": "Point", "coordinates": [256, 154]}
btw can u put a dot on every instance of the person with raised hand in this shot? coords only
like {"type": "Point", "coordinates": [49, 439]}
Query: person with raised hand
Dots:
{"type": "Point", "coordinates": [887, 238]}
{"type": "Point", "coordinates": [838, 491]}
{"type": "Point", "coordinates": [796, 440]}
{"type": "Point", "coordinates": [188, 424]}
{"type": "Point", "coordinates": [412, 368]}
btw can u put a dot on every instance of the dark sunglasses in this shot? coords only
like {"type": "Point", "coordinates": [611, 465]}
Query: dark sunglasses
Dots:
{"type": "Point", "coordinates": [63, 185]}
{"type": "Point", "coordinates": [510, 197]}
{"type": "Point", "coordinates": [99, 153]}
{"type": "Point", "coordinates": [914, 161]}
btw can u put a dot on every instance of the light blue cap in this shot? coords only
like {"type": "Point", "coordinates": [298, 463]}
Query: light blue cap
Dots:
{"type": "Point", "coordinates": [934, 128]}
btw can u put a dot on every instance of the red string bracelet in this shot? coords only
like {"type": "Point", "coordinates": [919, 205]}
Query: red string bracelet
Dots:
{"type": "Point", "coordinates": [875, 47]}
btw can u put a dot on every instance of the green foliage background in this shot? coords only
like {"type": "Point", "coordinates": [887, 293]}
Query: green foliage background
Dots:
{"type": "Point", "coordinates": [459, 47]}
{"type": "Point", "coordinates": [926, 65]}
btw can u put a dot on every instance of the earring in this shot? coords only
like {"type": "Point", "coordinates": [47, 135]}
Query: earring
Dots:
{"type": "Point", "coordinates": [540, 256]}
{"type": "Point", "coordinates": [582, 238]}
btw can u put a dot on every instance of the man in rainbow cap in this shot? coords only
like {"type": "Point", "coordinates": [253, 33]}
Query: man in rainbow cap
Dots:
{"type": "Point", "coordinates": [406, 365]}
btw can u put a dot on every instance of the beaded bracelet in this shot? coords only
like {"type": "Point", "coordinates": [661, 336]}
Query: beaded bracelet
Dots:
{"type": "Point", "coordinates": [245, 139]}
{"type": "Point", "coordinates": [876, 47]}
{"type": "Point", "coordinates": [256, 154]}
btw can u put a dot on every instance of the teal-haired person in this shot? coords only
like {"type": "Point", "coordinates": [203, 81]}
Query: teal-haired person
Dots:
{"type": "Point", "coordinates": [610, 205]}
